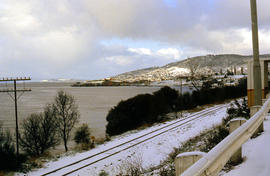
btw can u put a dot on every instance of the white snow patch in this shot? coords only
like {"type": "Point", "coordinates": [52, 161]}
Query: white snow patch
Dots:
{"type": "Point", "coordinates": [175, 71]}
{"type": "Point", "coordinates": [256, 155]}
{"type": "Point", "coordinates": [191, 153]}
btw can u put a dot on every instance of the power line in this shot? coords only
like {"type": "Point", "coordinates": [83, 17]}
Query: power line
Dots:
{"type": "Point", "coordinates": [15, 98]}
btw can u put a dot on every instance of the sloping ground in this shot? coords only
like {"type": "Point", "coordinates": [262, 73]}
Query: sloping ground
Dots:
{"type": "Point", "coordinates": [256, 153]}
{"type": "Point", "coordinates": [201, 65]}
{"type": "Point", "coordinates": [147, 154]}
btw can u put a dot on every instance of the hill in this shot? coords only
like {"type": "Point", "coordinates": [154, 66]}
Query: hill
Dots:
{"type": "Point", "coordinates": [200, 65]}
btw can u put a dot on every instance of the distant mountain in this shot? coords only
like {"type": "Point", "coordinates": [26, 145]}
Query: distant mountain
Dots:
{"type": "Point", "coordinates": [202, 65]}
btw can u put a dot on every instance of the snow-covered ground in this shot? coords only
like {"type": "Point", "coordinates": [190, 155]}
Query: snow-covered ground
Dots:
{"type": "Point", "coordinates": [256, 153]}
{"type": "Point", "coordinates": [147, 154]}
{"type": "Point", "coordinates": [153, 152]}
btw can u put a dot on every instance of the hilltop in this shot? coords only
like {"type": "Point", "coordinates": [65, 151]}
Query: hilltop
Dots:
{"type": "Point", "coordinates": [202, 65]}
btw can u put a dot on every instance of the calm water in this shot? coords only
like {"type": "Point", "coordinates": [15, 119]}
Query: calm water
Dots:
{"type": "Point", "coordinates": [94, 102]}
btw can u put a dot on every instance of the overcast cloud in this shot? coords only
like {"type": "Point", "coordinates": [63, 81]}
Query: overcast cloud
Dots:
{"type": "Point", "coordinates": [85, 39]}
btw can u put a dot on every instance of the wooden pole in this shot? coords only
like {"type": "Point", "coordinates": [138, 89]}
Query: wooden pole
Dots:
{"type": "Point", "coordinates": [16, 116]}
{"type": "Point", "coordinates": [15, 90]}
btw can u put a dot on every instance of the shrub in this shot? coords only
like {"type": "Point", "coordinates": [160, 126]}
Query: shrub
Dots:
{"type": "Point", "coordinates": [165, 100]}
{"type": "Point", "coordinates": [131, 114]}
{"type": "Point", "coordinates": [30, 136]}
{"type": "Point", "coordinates": [7, 150]}
{"type": "Point", "coordinates": [215, 137]}
{"type": "Point", "coordinates": [141, 109]}
{"type": "Point", "coordinates": [167, 171]}
{"type": "Point", "coordinates": [131, 167]}
{"type": "Point", "coordinates": [103, 173]}
{"type": "Point", "coordinates": [148, 109]}
{"type": "Point", "coordinates": [82, 135]}
{"type": "Point", "coordinates": [237, 109]}
{"type": "Point", "coordinates": [8, 158]}
{"type": "Point", "coordinates": [49, 128]}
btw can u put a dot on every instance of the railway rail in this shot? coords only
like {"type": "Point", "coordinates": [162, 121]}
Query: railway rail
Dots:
{"type": "Point", "coordinates": [92, 159]}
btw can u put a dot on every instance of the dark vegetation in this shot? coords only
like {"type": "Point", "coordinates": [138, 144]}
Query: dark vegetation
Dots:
{"type": "Point", "coordinates": [151, 108]}
{"type": "Point", "coordinates": [67, 115]}
{"type": "Point", "coordinates": [30, 138]}
{"type": "Point", "coordinates": [43, 131]}
{"type": "Point", "coordinates": [7, 152]}
{"type": "Point", "coordinates": [82, 136]}
{"type": "Point", "coordinates": [40, 132]}
{"type": "Point", "coordinates": [142, 109]}
{"type": "Point", "coordinates": [111, 83]}
{"type": "Point", "coordinates": [237, 109]}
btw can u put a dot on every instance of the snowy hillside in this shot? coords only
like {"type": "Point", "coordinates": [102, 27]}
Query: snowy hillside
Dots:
{"type": "Point", "coordinates": [202, 65]}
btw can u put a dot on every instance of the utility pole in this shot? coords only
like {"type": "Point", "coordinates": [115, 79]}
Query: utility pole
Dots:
{"type": "Point", "coordinates": [256, 62]}
{"type": "Point", "coordinates": [15, 98]}
{"type": "Point", "coordinates": [181, 88]}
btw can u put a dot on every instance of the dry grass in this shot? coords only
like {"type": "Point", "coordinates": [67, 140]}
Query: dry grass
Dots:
{"type": "Point", "coordinates": [100, 141]}
{"type": "Point", "coordinates": [131, 166]}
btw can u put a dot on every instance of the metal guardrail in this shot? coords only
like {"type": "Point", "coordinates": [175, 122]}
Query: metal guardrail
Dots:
{"type": "Point", "coordinates": [212, 163]}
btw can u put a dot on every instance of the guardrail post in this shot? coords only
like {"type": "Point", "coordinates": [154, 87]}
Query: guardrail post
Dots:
{"type": "Point", "coordinates": [253, 110]}
{"type": "Point", "coordinates": [234, 124]}
{"type": "Point", "coordinates": [184, 160]}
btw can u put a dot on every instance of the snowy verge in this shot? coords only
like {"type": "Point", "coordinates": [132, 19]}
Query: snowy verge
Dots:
{"type": "Point", "coordinates": [149, 154]}
{"type": "Point", "coordinates": [256, 155]}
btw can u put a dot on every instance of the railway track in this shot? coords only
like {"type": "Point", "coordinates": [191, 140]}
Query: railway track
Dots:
{"type": "Point", "coordinates": [92, 159]}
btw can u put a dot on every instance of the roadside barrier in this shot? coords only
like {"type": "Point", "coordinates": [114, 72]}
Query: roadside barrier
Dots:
{"type": "Point", "coordinates": [213, 161]}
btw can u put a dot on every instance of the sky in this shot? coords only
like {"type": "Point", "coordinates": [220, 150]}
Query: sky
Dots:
{"type": "Point", "coordinates": [94, 39]}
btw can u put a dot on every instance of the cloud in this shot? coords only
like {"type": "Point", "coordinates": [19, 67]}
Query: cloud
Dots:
{"type": "Point", "coordinates": [120, 60]}
{"type": "Point", "coordinates": [169, 52]}
{"type": "Point", "coordinates": [166, 53]}
{"type": "Point", "coordinates": [141, 51]}
{"type": "Point", "coordinates": [63, 38]}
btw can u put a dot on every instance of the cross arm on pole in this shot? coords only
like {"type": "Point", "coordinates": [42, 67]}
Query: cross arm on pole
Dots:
{"type": "Point", "coordinates": [12, 90]}
{"type": "Point", "coordinates": [15, 79]}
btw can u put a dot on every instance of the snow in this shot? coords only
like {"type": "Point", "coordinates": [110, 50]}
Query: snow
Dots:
{"type": "Point", "coordinates": [237, 119]}
{"type": "Point", "coordinates": [175, 71]}
{"type": "Point", "coordinates": [256, 155]}
{"type": "Point", "coordinates": [148, 154]}
{"type": "Point", "coordinates": [231, 76]}
{"type": "Point", "coordinates": [152, 152]}
{"type": "Point", "coordinates": [191, 153]}
{"type": "Point", "coordinates": [238, 76]}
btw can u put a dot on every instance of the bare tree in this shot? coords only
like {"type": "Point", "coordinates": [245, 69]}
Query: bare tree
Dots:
{"type": "Point", "coordinates": [39, 132]}
{"type": "Point", "coordinates": [193, 67]}
{"type": "Point", "coordinates": [67, 114]}
{"type": "Point", "coordinates": [49, 125]}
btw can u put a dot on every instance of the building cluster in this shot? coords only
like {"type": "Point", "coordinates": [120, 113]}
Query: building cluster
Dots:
{"type": "Point", "coordinates": [160, 75]}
